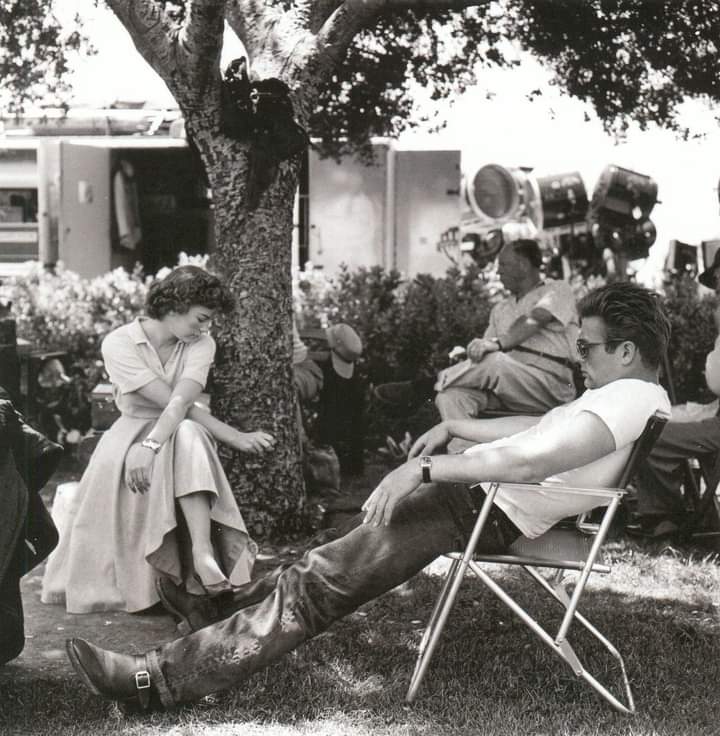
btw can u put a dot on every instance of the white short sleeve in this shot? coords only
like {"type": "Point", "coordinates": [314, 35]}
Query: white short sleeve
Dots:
{"type": "Point", "coordinates": [198, 358]}
{"type": "Point", "coordinates": [624, 406]}
{"type": "Point", "coordinates": [124, 362]}
{"type": "Point", "coordinates": [559, 300]}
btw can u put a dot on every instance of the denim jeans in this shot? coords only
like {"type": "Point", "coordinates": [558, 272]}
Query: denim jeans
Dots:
{"type": "Point", "coordinates": [327, 583]}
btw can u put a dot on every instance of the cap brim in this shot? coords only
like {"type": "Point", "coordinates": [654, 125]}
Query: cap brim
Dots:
{"type": "Point", "coordinates": [342, 367]}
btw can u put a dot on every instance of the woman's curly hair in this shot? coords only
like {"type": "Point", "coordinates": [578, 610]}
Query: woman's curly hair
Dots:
{"type": "Point", "coordinates": [185, 287]}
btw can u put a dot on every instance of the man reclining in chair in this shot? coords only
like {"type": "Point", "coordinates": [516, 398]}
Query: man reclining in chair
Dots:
{"type": "Point", "coordinates": [422, 509]}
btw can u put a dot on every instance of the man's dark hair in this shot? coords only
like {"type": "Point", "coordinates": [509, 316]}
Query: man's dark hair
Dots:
{"type": "Point", "coordinates": [630, 312]}
{"type": "Point", "coordinates": [529, 250]}
{"type": "Point", "coordinates": [185, 287]}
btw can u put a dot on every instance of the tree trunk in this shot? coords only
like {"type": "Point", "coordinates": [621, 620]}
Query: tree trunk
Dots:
{"type": "Point", "coordinates": [253, 387]}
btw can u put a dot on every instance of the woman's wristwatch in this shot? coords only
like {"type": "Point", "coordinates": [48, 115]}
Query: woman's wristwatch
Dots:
{"type": "Point", "coordinates": [153, 445]}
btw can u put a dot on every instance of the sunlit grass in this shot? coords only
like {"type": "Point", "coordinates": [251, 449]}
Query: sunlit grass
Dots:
{"type": "Point", "coordinates": [489, 676]}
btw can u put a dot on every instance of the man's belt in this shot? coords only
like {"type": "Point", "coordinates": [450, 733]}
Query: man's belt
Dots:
{"type": "Point", "coordinates": [555, 358]}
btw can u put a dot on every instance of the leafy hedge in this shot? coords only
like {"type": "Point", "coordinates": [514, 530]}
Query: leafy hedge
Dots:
{"type": "Point", "coordinates": [693, 337]}
{"type": "Point", "coordinates": [408, 327]}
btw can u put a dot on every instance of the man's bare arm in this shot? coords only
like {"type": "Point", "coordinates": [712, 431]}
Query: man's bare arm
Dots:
{"type": "Point", "coordinates": [577, 442]}
{"type": "Point", "coordinates": [473, 430]}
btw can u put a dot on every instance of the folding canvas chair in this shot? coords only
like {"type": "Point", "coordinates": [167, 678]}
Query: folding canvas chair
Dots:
{"type": "Point", "coordinates": [560, 549]}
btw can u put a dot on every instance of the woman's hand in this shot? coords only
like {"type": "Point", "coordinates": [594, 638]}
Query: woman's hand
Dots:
{"type": "Point", "coordinates": [256, 443]}
{"type": "Point", "coordinates": [434, 439]}
{"type": "Point", "coordinates": [138, 468]}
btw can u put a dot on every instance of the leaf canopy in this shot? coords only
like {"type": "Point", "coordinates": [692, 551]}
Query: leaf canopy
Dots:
{"type": "Point", "coordinates": [628, 58]}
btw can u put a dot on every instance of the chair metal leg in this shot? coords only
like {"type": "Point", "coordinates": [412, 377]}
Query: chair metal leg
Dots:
{"type": "Point", "coordinates": [423, 658]}
{"type": "Point", "coordinates": [560, 646]}
{"type": "Point", "coordinates": [580, 671]}
{"type": "Point", "coordinates": [444, 605]}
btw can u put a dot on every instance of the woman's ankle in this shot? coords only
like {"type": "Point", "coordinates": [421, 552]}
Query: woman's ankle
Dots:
{"type": "Point", "coordinates": [207, 567]}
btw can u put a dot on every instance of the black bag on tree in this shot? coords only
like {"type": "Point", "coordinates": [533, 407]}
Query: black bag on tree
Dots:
{"type": "Point", "coordinates": [260, 113]}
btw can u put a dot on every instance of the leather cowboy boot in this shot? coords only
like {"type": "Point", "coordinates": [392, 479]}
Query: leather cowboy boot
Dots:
{"type": "Point", "coordinates": [121, 677]}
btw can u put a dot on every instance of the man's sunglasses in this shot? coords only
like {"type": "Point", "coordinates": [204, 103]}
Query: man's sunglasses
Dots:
{"type": "Point", "coordinates": [583, 346]}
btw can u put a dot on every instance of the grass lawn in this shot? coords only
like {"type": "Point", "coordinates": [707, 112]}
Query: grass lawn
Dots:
{"type": "Point", "coordinates": [489, 676]}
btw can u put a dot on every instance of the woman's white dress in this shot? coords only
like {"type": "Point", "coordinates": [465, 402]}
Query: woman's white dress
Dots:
{"type": "Point", "coordinates": [118, 541]}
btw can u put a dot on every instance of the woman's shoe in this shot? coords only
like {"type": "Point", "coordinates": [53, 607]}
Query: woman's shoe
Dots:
{"type": "Point", "coordinates": [213, 589]}
{"type": "Point", "coordinates": [192, 612]}
{"type": "Point", "coordinates": [121, 677]}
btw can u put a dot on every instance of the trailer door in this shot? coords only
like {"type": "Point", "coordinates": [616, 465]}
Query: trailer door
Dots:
{"type": "Point", "coordinates": [85, 208]}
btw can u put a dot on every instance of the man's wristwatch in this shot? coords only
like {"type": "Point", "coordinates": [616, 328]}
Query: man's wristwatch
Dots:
{"type": "Point", "coordinates": [496, 340]}
{"type": "Point", "coordinates": [425, 465]}
{"type": "Point", "coordinates": [151, 445]}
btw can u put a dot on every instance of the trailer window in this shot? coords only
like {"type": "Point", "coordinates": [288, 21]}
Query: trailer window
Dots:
{"type": "Point", "coordinates": [18, 205]}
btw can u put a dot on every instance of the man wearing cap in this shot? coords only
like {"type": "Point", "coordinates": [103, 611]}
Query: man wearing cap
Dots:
{"type": "Point", "coordinates": [330, 374]}
{"type": "Point", "coordinates": [525, 360]}
{"type": "Point", "coordinates": [345, 348]}
{"type": "Point", "coordinates": [340, 411]}
{"type": "Point", "coordinates": [692, 432]}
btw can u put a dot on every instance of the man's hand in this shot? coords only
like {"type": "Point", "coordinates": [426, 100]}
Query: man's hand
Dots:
{"type": "Point", "coordinates": [434, 439]}
{"type": "Point", "coordinates": [256, 443]}
{"type": "Point", "coordinates": [478, 348]}
{"type": "Point", "coordinates": [138, 468]}
{"type": "Point", "coordinates": [393, 488]}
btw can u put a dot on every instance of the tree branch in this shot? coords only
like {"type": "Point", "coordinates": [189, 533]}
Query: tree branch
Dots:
{"type": "Point", "coordinates": [151, 30]}
{"type": "Point", "coordinates": [253, 21]}
{"type": "Point", "coordinates": [200, 42]}
{"type": "Point", "coordinates": [276, 41]}
{"type": "Point", "coordinates": [350, 17]}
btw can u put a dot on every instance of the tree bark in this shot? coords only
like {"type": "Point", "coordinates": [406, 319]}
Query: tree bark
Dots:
{"type": "Point", "coordinates": [253, 384]}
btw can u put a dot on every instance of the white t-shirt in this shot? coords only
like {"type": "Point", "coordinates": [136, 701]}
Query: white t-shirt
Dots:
{"type": "Point", "coordinates": [624, 406]}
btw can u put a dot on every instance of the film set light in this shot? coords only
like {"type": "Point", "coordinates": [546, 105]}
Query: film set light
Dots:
{"type": "Point", "coordinates": [496, 196]}
{"type": "Point", "coordinates": [620, 210]}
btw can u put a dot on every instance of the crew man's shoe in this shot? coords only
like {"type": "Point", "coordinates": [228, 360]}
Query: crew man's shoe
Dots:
{"type": "Point", "coordinates": [121, 677]}
{"type": "Point", "coordinates": [192, 612]}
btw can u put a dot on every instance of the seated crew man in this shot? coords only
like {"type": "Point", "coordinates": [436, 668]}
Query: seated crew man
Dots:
{"type": "Point", "coordinates": [524, 360]}
{"type": "Point", "coordinates": [415, 514]}
{"type": "Point", "coordinates": [693, 431]}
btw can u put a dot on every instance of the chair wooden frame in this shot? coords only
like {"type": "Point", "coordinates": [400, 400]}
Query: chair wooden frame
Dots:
{"type": "Point", "coordinates": [560, 549]}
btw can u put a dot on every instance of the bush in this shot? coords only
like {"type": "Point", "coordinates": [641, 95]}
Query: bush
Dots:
{"type": "Point", "coordinates": [61, 311]}
{"type": "Point", "coordinates": [693, 337]}
{"type": "Point", "coordinates": [407, 328]}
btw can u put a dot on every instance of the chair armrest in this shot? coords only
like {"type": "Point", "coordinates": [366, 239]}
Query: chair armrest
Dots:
{"type": "Point", "coordinates": [601, 493]}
